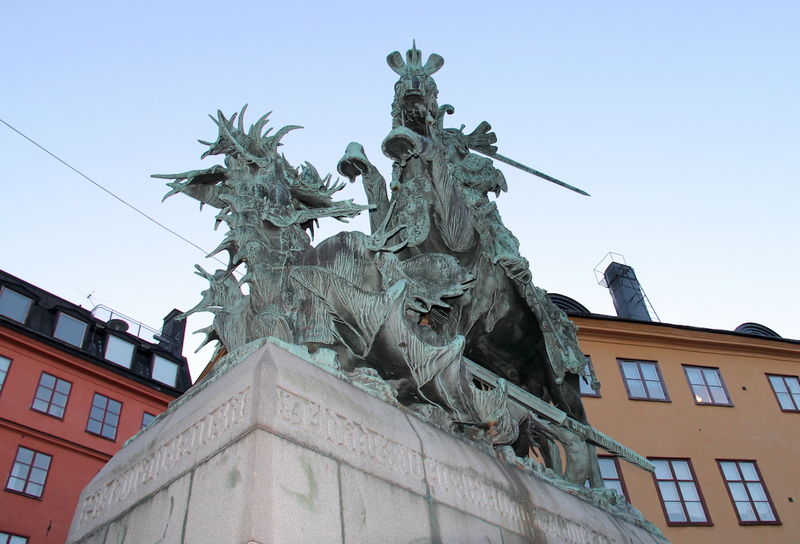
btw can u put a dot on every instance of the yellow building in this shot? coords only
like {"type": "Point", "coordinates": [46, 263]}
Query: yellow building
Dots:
{"type": "Point", "coordinates": [718, 412]}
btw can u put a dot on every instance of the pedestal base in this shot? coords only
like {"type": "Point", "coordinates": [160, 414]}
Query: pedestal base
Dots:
{"type": "Point", "coordinates": [276, 450]}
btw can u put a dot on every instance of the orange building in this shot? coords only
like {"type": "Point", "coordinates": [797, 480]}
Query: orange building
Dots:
{"type": "Point", "coordinates": [717, 412]}
{"type": "Point", "coordinates": [73, 389]}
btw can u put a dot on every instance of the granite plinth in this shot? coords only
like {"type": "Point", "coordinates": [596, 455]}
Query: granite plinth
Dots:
{"type": "Point", "coordinates": [277, 450]}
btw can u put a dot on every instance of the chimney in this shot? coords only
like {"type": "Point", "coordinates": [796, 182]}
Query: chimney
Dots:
{"type": "Point", "coordinates": [629, 300]}
{"type": "Point", "coordinates": [172, 333]}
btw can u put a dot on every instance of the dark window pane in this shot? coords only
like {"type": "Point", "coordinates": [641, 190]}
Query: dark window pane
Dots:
{"type": "Point", "coordinates": [70, 330]}
{"type": "Point", "coordinates": [637, 389]}
{"type": "Point", "coordinates": [696, 513]}
{"type": "Point", "coordinates": [5, 364]}
{"type": "Point", "coordinates": [675, 512]}
{"type": "Point", "coordinates": [764, 511]}
{"type": "Point", "coordinates": [778, 384]}
{"type": "Point", "coordinates": [13, 305]}
{"type": "Point", "coordinates": [746, 512]}
{"type": "Point", "coordinates": [629, 369]}
{"type": "Point", "coordinates": [694, 376]}
{"type": "Point", "coordinates": [655, 391]}
{"type": "Point", "coordinates": [104, 416]}
{"type": "Point", "coordinates": [649, 371]}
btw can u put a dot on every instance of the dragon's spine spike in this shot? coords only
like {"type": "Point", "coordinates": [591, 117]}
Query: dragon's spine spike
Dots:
{"type": "Point", "coordinates": [241, 118]}
{"type": "Point", "coordinates": [255, 129]}
{"type": "Point", "coordinates": [275, 140]}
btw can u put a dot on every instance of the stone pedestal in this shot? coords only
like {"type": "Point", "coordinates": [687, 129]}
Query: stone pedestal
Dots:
{"type": "Point", "coordinates": [276, 450]}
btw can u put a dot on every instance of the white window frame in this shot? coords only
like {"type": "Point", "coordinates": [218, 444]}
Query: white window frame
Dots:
{"type": "Point", "coordinates": [112, 338]}
{"type": "Point", "coordinates": [156, 372]}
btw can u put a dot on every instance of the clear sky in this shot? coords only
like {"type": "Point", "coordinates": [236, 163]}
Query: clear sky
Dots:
{"type": "Point", "coordinates": [680, 118]}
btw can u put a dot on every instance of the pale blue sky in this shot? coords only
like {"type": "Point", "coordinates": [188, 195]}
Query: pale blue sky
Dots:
{"type": "Point", "coordinates": [680, 118]}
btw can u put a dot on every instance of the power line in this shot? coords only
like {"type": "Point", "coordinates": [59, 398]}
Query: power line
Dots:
{"type": "Point", "coordinates": [96, 184]}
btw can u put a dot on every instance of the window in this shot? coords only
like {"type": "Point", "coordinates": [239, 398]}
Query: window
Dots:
{"type": "Point", "coordinates": [29, 472]}
{"type": "Point", "coordinates": [104, 417]}
{"type": "Point", "coordinates": [585, 382]}
{"type": "Point", "coordinates": [165, 371]}
{"type": "Point", "coordinates": [119, 351]}
{"type": "Point", "coordinates": [70, 330]}
{"type": "Point", "coordinates": [612, 477]}
{"type": "Point", "coordinates": [7, 538]}
{"type": "Point", "coordinates": [679, 492]}
{"type": "Point", "coordinates": [707, 385]}
{"type": "Point", "coordinates": [643, 380]}
{"type": "Point", "coordinates": [787, 390]}
{"type": "Point", "coordinates": [14, 305]}
{"type": "Point", "coordinates": [748, 493]}
{"type": "Point", "coordinates": [147, 419]}
{"type": "Point", "coordinates": [51, 395]}
{"type": "Point", "coordinates": [5, 363]}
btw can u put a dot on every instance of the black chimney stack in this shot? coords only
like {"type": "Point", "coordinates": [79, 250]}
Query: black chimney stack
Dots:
{"type": "Point", "coordinates": [626, 292]}
{"type": "Point", "coordinates": [171, 337]}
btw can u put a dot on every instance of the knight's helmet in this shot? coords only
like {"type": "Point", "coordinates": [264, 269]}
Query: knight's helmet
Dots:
{"type": "Point", "coordinates": [415, 92]}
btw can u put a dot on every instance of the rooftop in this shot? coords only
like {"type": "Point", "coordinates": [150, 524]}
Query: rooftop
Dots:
{"type": "Point", "coordinates": [101, 336]}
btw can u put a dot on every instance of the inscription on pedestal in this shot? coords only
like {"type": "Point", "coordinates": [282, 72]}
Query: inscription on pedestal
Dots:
{"type": "Point", "coordinates": [308, 416]}
{"type": "Point", "coordinates": [446, 481]}
{"type": "Point", "coordinates": [205, 432]}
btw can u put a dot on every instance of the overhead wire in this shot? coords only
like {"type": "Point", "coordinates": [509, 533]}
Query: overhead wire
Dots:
{"type": "Point", "coordinates": [117, 197]}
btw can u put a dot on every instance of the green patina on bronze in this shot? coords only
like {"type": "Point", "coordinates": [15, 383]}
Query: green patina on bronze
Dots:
{"type": "Point", "coordinates": [407, 311]}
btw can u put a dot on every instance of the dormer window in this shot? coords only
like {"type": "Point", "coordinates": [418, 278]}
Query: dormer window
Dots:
{"type": "Point", "coordinates": [119, 351]}
{"type": "Point", "coordinates": [70, 329]}
{"type": "Point", "coordinates": [13, 305]}
{"type": "Point", "coordinates": [165, 371]}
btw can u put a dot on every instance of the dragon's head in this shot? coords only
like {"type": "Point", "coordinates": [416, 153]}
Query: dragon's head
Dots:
{"type": "Point", "coordinates": [255, 145]}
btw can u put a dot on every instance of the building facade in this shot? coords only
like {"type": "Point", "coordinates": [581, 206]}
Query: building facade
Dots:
{"type": "Point", "coordinates": [717, 412]}
{"type": "Point", "coordinates": [74, 386]}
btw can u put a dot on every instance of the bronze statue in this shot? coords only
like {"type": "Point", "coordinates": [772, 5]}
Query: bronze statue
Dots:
{"type": "Point", "coordinates": [434, 296]}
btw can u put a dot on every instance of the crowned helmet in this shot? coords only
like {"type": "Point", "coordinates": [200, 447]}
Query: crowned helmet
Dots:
{"type": "Point", "coordinates": [415, 93]}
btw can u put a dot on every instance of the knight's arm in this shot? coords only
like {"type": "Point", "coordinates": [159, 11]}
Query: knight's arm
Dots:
{"type": "Point", "coordinates": [354, 163]}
